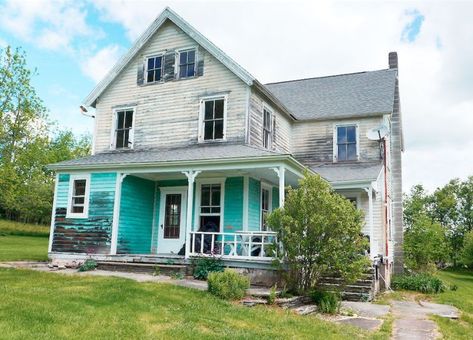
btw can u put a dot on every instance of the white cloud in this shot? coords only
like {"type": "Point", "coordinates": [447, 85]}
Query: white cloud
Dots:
{"type": "Point", "coordinates": [97, 65]}
{"type": "Point", "coordinates": [3, 43]}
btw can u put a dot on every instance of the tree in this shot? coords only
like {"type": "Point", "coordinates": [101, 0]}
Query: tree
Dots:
{"type": "Point", "coordinates": [320, 232]}
{"type": "Point", "coordinates": [467, 252]}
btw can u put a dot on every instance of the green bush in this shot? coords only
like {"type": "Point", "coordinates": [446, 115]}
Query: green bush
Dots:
{"type": "Point", "coordinates": [228, 285]}
{"type": "Point", "coordinates": [422, 282]}
{"type": "Point", "coordinates": [328, 302]}
{"type": "Point", "coordinates": [205, 265]}
{"type": "Point", "coordinates": [467, 253]}
{"type": "Point", "coordinates": [89, 264]}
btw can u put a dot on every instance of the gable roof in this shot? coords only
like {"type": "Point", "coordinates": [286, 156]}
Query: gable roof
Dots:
{"type": "Point", "coordinates": [340, 96]}
{"type": "Point", "coordinates": [168, 14]}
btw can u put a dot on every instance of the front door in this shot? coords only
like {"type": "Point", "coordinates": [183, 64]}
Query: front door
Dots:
{"type": "Point", "coordinates": [172, 220]}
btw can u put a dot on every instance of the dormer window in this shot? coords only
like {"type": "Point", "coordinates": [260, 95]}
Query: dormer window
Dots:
{"type": "Point", "coordinates": [123, 134]}
{"type": "Point", "coordinates": [187, 63]}
{"type": "Point", "coordinates": [346, 148]}
{"type": "Point", "coordinates": [154, 69]}
{"type": "Point", "coordinates": [213, 115]}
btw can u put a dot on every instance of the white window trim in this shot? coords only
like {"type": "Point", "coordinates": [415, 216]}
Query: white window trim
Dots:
{"type": "Point", "coordinates": [268, 187]}
{"type": "Point", "coordinates": [131, 138]}
{"type": "Point", "coordinates": [178, 58]}
{"type": "Point", "coordinates": [201, 118]}
{"type": "Point", "coordinates": [145, 75]}
{"type": "Point", "coordinates": [72, 178]}
{"type": "Point", "coordinates": [198, 193]}
{"type": "Point", "coordinates": [271, 126]}
{"type": "Point", "coordinates": [335, 144]}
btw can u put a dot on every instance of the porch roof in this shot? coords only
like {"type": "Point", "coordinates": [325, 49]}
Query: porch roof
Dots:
{"type": "Point", "coordinates": [202, 153]}
{"type": "Point", "coordinates": [338, 173]}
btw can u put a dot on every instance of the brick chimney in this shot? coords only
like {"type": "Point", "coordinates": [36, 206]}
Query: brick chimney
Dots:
{"type": "Point", "coordinates": [393, 60]}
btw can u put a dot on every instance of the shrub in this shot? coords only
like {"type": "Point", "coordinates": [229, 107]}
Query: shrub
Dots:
{"type": "Point", "coordinates": [89, 264]}
{"type": "Point", "coordinates": [272, 295]}
{"type": "Point", "coordinates": [228, 285]}
{"type": "Point", "coordinates": [205, 265]}
{"type": "Point", "coordinates": [328, 302]}
{"type": "Point", "coordinates": [422, 282]}
{"type": "Point", "coordinates": [467, 253]}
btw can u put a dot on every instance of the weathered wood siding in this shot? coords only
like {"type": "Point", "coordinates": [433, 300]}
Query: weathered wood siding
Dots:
{"type": "Point", "coordinates": [167, 113]}
{"type": "Point", "coordinates": [136, 216]}
{"type": "Point", "coordinates": [90, 235]}
{"type": "Point", "coordinates": [283, 131]}
{"type": "Point", "coordinates": [312, 141]}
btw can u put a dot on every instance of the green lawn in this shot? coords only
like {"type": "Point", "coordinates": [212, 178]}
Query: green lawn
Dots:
{"type": "Point", "coordinates": [16, 248]}
{"type": "Point", "coordinates": [23, 229]}
{"type": "Point", "coordinates": [52, 306]}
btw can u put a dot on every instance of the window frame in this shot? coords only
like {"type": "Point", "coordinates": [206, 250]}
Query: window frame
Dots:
{"type": "Point", "coordinates": [72, 179]}
{"type": "Point", "coordinates": [177, 65]}
{"type": "Point", "coordinates": [145, 75]}
{"type": "Point", "coordinates": [198, 195]}
{"type": "Point", "coordinates": [272, 117]}
{"type": "Point", "coordinates": [335, 141]}
{"type": "Point", "coordinates": [201, 133]}
{"type": "Point", "coordinates": [269, 188]}
{"type": "Point", "coordinates": [131, 135]}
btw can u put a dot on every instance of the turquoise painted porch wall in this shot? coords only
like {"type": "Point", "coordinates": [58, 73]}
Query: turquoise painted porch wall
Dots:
{"type": "Point", "coordinates": [136, 216]}
{"type": "Point", "coordinates": [85, 235]}
{"type": "Point", "coordinates": [233, 205]}
{"type": "Point", "coordinates": [275, 201]}
{"type": "Point", "coordinates": [254, 192]}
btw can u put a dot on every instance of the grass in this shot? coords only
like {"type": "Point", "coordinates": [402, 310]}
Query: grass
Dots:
{"type": "Point", "coordinates": [22, 229]}
{"type": "Point", "coordinates": [53, 306]}
{"type": "Point", "coordinates": [16, 248]}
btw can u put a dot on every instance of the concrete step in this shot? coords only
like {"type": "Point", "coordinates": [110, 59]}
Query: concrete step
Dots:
{"type": "Point", "coordinates": [165, 269]}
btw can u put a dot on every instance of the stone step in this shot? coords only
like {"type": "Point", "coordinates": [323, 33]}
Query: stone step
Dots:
{"type": "Point", "coordinates": [334, 280]}
{"type": "Point", "coordinates": [348, 289]}
{"type": "Point", "coordinates": [165, 269]}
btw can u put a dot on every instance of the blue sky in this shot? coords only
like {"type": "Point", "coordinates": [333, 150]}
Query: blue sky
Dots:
{"type": "Point", "coordinates": [74, 43]}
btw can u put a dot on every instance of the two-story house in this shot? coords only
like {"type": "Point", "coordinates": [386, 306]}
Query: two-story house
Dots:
{"type": "Point", "coordinates": [190, 152]}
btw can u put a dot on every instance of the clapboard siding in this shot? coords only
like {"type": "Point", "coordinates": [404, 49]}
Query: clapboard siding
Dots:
{"type": "Point", "coordinates": [233, 205]}
{"type": "Point", "coordinates": [283, 131]}
{"type": "Point", "coordinates": [254, 188]}
{"type": "Point", "coordinates": [136, 216]}
{"type": "Point", "coordinates": [312, 141]}
{"type": "Point", "coordinates": [85, 235]}
{"type": "Point", "coordinates": [167, 113]}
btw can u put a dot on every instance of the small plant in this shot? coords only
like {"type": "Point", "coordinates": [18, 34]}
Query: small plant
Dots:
{"type": "Point", "coordinates": [156, 271]}
{"type": "Point", "coordinates": [89, 264]}
{"type": "Point", "coordinates": [170, 262]}
{"type": "Point", "coordinates": [422, 282]}
{"type": "Point", "coordinates": [228, 285]}
{"type": "Point", "coordinates": [205, 265]}
{"type": "Point", "coordinates": [177, 276]}
{"type": "Point", "coordinates": [272, 295]}
{"type": "Point", "coordinates": [328, 302]}
{"type": "Point", "coordinates": [453, 288]}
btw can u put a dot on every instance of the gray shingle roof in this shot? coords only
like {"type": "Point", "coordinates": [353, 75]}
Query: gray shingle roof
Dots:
{"type": "Point", "coordinates": [340, 96]}
{"type": "Point", "coordinates": [346, 172]}
{"type": "Point", "coordinates": [190, 153]}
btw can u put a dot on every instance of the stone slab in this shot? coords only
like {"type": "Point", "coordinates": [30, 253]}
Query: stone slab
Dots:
{"type": "Point", "coordinates": [363, 323]}
{"type": "Point", "coordinates": [366, 309]}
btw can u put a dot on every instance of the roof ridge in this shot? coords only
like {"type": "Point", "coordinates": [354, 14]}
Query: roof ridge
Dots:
{"type": "Point", "coordinates": [329, 76]}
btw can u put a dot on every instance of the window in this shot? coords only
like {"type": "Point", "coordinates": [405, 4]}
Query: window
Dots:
{"type": "Point", "coordinates": [346, 143]}
{"type": "Point", "coordinates": [267, 128]}
{"type": "Point", "coordinates": [172, 223]}
{"type": "Point", "coordinates": [187, 63]}
{"type": "Point", "coordinates": [210, 207]}
{"type": "Point", "coordinates": [78, 197]}
{"type": "Point", "coordinates": [154, 69]}
{"type": "Point", "coordinates": [123, 129]}
{"type": "Point", "coordinates": [213, 122]}
{"type": "Point", "coordinates": [265, 205]}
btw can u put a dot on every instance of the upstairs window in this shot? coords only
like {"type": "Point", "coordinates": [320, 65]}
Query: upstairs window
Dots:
{"type": "Point", "coordinates": [187, 63]}
{"type": "Point", "coordinates": [268, 128]}
{"type": "Point", "coordinates": [154, 69]}
{"type": "Point", "coordinates": [124, 128]}
{"type": "Point", "coordinates": [78, 197]}
{"type": "Point", "coordinates": [346, 143]}
{"type": "Point", "coordinates": [213, 120]}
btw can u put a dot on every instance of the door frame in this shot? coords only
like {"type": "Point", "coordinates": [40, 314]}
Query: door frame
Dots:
{"type": "Point", "coordinates": [162, 204]}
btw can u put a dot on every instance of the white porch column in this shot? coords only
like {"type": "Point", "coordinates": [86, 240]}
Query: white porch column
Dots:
{"type": "Point", "coordinates": [191, 175]}
{"type": "Point", "coordinates": [116, 212]}
{"type": "Point", "coordinates": [373, 245]}
{"type": "Point", "coordinates": [281, 172]}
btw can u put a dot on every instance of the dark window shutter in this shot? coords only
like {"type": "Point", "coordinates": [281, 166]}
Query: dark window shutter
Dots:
{"type": "Point", "coordinates": [140, 74]}
{"type": "Point", "coordinates": [169, 66]}
{"type": "Point", "coordinates": [200, 62]}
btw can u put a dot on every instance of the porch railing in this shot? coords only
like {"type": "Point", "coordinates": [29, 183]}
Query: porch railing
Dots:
{"type": "Point", "coordinates": [251, 245]}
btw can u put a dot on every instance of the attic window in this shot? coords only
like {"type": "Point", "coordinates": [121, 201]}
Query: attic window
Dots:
{"type": "Point", "coordinates": [154, 69]}
{"type": "Point", "coordinates": [187, 63]}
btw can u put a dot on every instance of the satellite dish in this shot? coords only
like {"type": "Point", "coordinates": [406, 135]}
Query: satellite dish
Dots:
{"type": "Point", "coordinates": [377, 133]}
